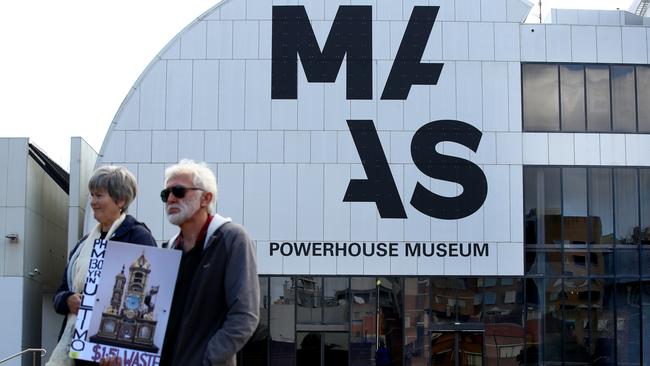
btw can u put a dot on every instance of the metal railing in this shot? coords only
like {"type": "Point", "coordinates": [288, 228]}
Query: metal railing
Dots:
{"type": "Point", "coordinates": [34, 350]}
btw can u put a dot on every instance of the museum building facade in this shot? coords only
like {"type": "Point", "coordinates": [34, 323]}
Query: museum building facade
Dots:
{"type": "Point", "coordinates": [427, 182]}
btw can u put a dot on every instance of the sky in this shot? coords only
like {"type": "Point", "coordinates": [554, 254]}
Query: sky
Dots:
{"type": "Point", "coordinates": [67, 65]}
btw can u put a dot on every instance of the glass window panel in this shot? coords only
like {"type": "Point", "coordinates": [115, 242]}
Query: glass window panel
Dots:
{"type": "Point", "coordinates": [576, 262]}
{"type": "Point", "coordinates": [627, 262]}
{"type": "Point", "coordinates": [335, 349]}
{"type": "Point", "coordinates": [541, 97]}
{"type": "Point", "coordinates": [443, 348]}
{"type": "Point", "coordinates": [576, 321]}
{"type": "Point", "coordinates": [543, 262]}
{"type": "Point", "coordinates": [335, 300]}
{"type": "Point", "coordinates": [417, 292]}
{"type": "Point", "coordinates": [308, 351]}
{"type": "Point", "coordinates": [628, 337]}
{"type": "Point", "coordinates": [601, 205]}
{"type": "Point", "coordinates": [309, 299]}
{"type": "Point", "coordinates": [553, 321]}
{"type": "Point", "coordinates": [626, 199]}
{"type": "Point", "coordinates": [572, 90]}
{"type": "Point", "coordinates": [534, 300]}
{"type": "Point", "coordinates": [363, 321]}
{"type": "Point", "coordinates": [623, 99]}
{"type": "Point", "coordinates": [643, 97]}
{"type": "Point", "coordinates": [506, 319]}
{"type": "Point", "coordinates": [645, 259]}
{"type": "Point", "coordinates": [598, 103]}
{"type": "Point", "coordinates": [530, 205]}
{"type": "Point", "coordinates": [468, 311]}
{"type": "Point", "coordinates": [544, 321]}
{"type": "Point", "coordinates": [255, 351]}
{"type": "Point", "coordinates": [601, 262]}
{"type": "Point", "coordinates": [444, 291]}
{"type": "Point", "coordinates": [574, 205]}
{"type": "Point", "coordinates": [490, 298]}
{"type": "Point", "coordinates": [602, 342]}
{"type": "Point", "coordinates": [542, 202]}
{"type": "Point", "coordinates": [644, 232]}
{"type": "Point", "coordinates": [390, 315]}
{"type": "Point", "coordinates": [282, 321]}
{"type": "Point", "coordinates": [645, 310]}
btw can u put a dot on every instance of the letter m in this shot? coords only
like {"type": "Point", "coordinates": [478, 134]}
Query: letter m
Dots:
{"type": "Point", "coordinates": [350, 37]}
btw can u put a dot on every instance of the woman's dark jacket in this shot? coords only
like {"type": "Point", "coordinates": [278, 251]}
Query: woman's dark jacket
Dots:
{"type": "Point", "coordinates": [130, 231]}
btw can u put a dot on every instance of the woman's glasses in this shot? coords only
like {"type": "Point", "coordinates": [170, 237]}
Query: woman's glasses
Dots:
{"type": "Point", "coordinates": [178, 191]}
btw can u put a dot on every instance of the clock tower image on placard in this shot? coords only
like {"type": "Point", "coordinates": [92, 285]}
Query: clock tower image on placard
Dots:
{"type": "Point", "coordinates": [129, 320]}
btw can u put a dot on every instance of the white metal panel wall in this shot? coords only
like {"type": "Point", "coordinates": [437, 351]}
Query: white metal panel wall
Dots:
{"type": "Point", "coordinates": [283, 165]}
{"type": "Point", "coordinates": [11, 318]}
{"type": "Point", "coordinates": [14, 163]}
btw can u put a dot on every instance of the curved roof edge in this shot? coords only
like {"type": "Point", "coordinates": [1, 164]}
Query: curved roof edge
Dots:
{"type": "Point", "coordinates": [146, 70]}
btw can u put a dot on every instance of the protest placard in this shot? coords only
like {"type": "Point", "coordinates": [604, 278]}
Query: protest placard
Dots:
{"type": "Point", "coordinates": [126, 303]}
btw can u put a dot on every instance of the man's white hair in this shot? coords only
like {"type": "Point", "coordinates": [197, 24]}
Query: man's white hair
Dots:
{"type": "Point", "coordinates": [202, 177]}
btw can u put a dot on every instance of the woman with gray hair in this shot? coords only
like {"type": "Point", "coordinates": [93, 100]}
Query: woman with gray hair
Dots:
{"type": "Point", "coordinates": [112, 189]}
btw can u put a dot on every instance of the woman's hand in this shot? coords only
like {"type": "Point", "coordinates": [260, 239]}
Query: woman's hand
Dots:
{"type": "Point", "coordinates": [74, 301]}
{"type": "Point", "coordinates": [110, 361]}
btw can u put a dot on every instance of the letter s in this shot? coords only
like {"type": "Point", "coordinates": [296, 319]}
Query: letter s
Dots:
{"type": "Point", "coordinates": [448, 168]}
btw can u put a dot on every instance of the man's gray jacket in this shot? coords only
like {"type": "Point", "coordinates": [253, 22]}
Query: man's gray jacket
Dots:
{"type": "Point", "coordinates": [222, 309]}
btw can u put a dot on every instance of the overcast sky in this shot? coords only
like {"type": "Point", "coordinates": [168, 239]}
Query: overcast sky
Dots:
{"type": "Point", "coordinates": [67, 65]}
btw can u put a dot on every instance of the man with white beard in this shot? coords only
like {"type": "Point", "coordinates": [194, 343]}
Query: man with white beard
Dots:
{"type": "Point", "coordinates": [215, 308]}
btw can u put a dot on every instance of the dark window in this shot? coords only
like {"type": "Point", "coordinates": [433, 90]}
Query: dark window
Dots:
{"type": "Point", "coordinates": [363, 320]}
{"type": "Point", "coordinates": [574, 206]}
{"type": "Point", "coordinates": [602, 324]}
{"type": "Point", "coordinates": [623, 99]}
{"type": "Point", "coordinates": [644, 230]}
{"type": "Point", "coordinates": [543, 262]}
{"type": "Point", "coordinates": [601, 205]}
{"type": "Point", "coordinates": [645, 310]}
{"type": "Point", "coordinates": [335, 300]}
{"type": "Point", "coordinates": [308, 349]}
{"type": "Point", "coordinates": [335, 349]}
{"type": "Point", "coordinates": [309, 299]}
{"type": "Point", "coordinates": [444, 309]}
{"type": "Point", "coordinates": [283, 321]}
{"type": "Point", "coordinates": [255, 351]}
{"type": "Point", "coordinates": [416, 327]}
{"type": "Point", "coordinates": [542, 197]}
{"type": "Point", "coordinates": [627, 262]}
{"type": "Point", "coordinates": [598, 103]}
{"type": "Point", "coordinates": [572, 90]}
{"type": "Point", "coordinates": [645, 258]}
{"type": "Point", "coordinates": [551, 307]}
{"type": "Point", "coordinates": [541, 97]}
{"type": "Point", "coordinates": [626, 199]}
{"type": "Point", "coordinates": [575, 262]}
{"type": "Point", "coordinates": [391, 308]}
{"type": "Point", "coordinates": [575, 321]}
{"type": "Point", "coordinates": [490, 298]}
{"type": "Point", "coordinates": [643, 97]}
{"type": "Point", "coordinates": [602, 262]}
{"type": "Point", "coordinates": [586, 97]}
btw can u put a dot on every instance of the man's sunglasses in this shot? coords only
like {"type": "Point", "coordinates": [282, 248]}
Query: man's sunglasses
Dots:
{"type": "Point", "coordinates": [178, 191]}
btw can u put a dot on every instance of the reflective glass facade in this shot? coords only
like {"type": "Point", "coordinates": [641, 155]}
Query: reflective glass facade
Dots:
{"type": "Point", "coordinates": [576, 317]}
{"type": "Point", "coordinates": [586, 97]}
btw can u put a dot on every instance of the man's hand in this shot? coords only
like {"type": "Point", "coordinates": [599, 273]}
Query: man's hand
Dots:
{"type": "Point", "coordinates": [110, 361]}
{"type": "Point", "coordinates": [74, 301]}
